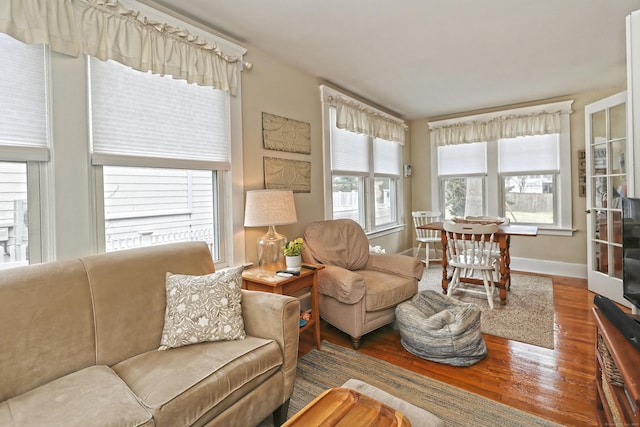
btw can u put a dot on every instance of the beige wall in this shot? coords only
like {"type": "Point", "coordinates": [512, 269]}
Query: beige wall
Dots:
{"type": "Point", "coordinates": [276, 88]}
{"type": "Point", "coordinates": [554, 248]}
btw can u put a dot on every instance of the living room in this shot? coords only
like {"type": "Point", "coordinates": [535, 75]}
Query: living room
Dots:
{"type": "Point", "coordinates": [66, 217]}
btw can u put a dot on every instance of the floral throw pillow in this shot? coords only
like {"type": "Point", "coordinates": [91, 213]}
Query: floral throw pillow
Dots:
{"type": "Point", "coordinates": [203, 308]}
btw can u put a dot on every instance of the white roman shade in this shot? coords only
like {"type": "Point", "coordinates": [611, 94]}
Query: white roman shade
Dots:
{"type": "Point", "coordinates": [349, 150]}
{"type": "Point", "coordinates": [23, 101]}
{"type": "Point", "coordinates": [462, 160]}
{"type": "Point", "coordinates": [529, 154]}
{"type": "Point", "coordinates": [137, 115]}
{"type": "Point", "coordinates": [386, 157]}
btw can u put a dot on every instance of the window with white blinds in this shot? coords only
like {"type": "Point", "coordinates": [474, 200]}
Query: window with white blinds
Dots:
{"type": "Point", "coordinates": [23, 101]}
{"type": "Point", "coordinates": [168, 122]}
{"type": "Point", "coordinates": [365, 175]}
{"type": "Point", "coordinates": [529, 154]}
{"type": "Point", "coordinates": [462, 159]}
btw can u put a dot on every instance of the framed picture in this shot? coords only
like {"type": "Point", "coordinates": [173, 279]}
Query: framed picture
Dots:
{"type": "Point", "coordinates": [285, 174]}
{"type": "Point", "coordinates": [282, 134]}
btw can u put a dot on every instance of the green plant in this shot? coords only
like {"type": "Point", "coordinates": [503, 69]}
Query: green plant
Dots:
{"type": "Point", "coordinates": [293, 247]}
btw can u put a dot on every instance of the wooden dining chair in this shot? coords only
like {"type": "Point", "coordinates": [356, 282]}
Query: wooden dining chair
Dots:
{"type": "Point", "coordinates": [469, 248]}
{"type": "Point", "coordinates": [426, 237]}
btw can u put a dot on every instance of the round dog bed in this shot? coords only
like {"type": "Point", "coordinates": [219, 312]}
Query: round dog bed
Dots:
{"type": "Point", "coordinates": [441, 329]}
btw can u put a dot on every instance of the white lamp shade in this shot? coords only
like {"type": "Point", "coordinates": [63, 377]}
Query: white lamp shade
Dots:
{"type": "Point", "coordinates": [269, 207]}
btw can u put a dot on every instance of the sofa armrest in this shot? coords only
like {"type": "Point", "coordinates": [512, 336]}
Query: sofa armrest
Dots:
{"type": "Point", "coordinates": [276, 317]}
{"type": "Point", "coordinates": [402, 265]}
{"type": "Point", "coordinates": [346, 286]}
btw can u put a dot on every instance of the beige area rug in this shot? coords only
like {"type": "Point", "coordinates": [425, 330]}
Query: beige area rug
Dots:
{"type": "Point", "coordinates": [333, 365]}
{"type": "Point", "coordinates": [527, 317]}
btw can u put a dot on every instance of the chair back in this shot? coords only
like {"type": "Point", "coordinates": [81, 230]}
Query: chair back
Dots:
{"type": "Point", "coordinates": [471, 245]}
{"type": "Point", "coordinates": [424, 218]}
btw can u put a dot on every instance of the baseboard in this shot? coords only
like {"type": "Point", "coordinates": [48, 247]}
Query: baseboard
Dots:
{"type": "Point", "coordinates": [540, 266]}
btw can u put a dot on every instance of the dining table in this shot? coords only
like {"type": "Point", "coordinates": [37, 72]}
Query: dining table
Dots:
{"type": "Point", "coordinates": [503, 236]}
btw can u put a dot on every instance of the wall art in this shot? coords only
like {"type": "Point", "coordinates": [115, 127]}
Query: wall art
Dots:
{"type": "Point", "coordinates": [284, 174]}
{"type": "Point", "coordinates": [282, 134]}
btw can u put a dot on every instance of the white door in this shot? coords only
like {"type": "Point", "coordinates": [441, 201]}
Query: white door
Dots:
{"type": "Point", "coordinates": [606, 184]}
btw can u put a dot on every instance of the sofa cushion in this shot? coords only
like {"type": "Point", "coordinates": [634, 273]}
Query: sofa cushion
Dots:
{"type": "Point", "coordinates": [46, 324]}
{"type": "Point", "coordinates": [386, 290]}
{"type": "Point", "coordinates": [88, 397]}
{"type": "Point", "coordinates": [203, 308]}
{"type": "Point", "coordinates": [129, 297]}
{"type": "Point", "coordinates": [181, 385]}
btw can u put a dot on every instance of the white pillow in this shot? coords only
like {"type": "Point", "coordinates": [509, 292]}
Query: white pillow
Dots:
{"type": "Point", "coordinates": [203, 308]}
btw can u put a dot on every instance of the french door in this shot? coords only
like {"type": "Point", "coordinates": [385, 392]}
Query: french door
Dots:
{"type": "Point", "coordinates": [606, 184]}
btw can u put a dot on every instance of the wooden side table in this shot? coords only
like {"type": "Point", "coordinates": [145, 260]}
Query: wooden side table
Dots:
{"type": "Point", "coordinates": [257, 279]}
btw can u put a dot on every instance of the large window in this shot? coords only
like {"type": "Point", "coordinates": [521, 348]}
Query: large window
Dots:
{"type": "Point", "coordinates": [159, 146]}
{"type": "Point", "coordinates": [24, 149]}
{"type": "Point", "coordinates": [524, 178]}
{"type": "Point", "coordinates": [365, 177]}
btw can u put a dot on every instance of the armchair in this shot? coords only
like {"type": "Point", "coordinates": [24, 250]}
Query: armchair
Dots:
{"type": "Point", "coordinates": [358, 291]}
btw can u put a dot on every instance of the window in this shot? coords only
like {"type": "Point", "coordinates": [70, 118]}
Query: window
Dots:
{"type": "Point", "coordinates": [160, 147]}
{"type": "Point", "coordinates": [365, 177]}
{"type": "Point", "coordinates": [524, 178]}
{"type": "Point", "coordinates": [24, 149]}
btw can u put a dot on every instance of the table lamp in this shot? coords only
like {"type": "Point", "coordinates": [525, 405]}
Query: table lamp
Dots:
{"type": "Point", "coordinates": [270, 208]}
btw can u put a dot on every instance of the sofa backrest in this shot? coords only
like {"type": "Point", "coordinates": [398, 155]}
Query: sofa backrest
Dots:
{"type": "Point", "coordinates": [46, 325]}
{"type": "Point", "coordinates": [340, 242]}
{"type": "Point", "coordinates": [128, 290]}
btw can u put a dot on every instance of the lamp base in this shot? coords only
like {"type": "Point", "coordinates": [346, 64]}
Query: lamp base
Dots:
{"type": "Point", "coordinates": [270, 255]}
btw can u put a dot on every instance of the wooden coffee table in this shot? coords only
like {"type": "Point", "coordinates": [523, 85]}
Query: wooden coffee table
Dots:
{"type": "Point", "coordinates": [347, 408]}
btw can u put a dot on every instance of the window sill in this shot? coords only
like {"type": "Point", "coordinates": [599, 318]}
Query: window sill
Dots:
{"type": "Point", "coordinates": [555, 231]}
{"type": "Point", "coordinates": [385, 231]}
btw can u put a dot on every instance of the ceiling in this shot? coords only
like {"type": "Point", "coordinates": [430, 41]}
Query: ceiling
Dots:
{"type": "Point", "coordinates": [427, 58]}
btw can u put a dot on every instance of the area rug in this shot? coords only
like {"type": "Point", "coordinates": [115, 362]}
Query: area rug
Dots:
{"type": "Point", "coordinates": [333, 365]}
{"type": "Point", "coordinates": [527, 317]}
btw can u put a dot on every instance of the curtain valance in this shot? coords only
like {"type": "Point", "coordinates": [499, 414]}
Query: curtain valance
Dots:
{"type": "Point", "coordinates": [511, 126]}
{"type": "Point", "coordinates": [50, 22]}
{"type": "Point", "coordinates": [106, 30]}
{"type": "Point", "coordinates": [359, 119]}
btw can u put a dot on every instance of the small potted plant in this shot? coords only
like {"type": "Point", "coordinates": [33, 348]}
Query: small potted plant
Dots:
{"type": "Point", "coordinates": [292, 252]}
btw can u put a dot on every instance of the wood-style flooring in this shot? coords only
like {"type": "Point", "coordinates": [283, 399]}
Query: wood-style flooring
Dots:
{"type": "Point", "coordinates": [558, 384]}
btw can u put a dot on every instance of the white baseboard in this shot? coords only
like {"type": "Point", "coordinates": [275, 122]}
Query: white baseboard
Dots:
{"type": "Point", "coordinates": [540, 266]}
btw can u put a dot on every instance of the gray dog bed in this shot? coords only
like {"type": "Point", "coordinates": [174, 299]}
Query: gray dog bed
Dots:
{"type": "Point", "coordinates": [441, 329]}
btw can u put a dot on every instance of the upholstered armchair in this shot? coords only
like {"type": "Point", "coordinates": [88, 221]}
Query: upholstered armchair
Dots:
{"type": "Point", "coordinates": [358, 291]}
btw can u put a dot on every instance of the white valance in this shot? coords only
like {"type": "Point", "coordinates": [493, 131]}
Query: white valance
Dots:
{"type": "Point", "coordinates": [493, 129]}
{"type": "Point", "coordinates": [50, 22]}
{"type": "Point", "coordinates": [106, 30]}
{"type": "Point", "coordinates": [112, 32]}
{"type": "Point", "coordinates": [357, 118]}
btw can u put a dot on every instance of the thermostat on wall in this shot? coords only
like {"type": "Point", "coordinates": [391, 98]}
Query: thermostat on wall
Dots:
{"type": "Point", "coordinates": [407, 171]}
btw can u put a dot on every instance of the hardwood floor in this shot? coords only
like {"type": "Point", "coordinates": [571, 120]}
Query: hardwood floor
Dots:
{"type": "Point", "coordinates": [558, 384]}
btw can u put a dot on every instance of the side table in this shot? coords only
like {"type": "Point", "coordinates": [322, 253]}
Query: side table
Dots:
{"type": "Point", "coordinates": [258, 279]}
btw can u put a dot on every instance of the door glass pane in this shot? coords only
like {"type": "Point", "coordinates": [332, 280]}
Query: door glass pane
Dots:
{"type": "Point", "coordinates": [151, 206]}
{"type": "Point", "coordinates": [529, 198]}
{"type": "Point", "coordinates": [599, 192]}
{"type": "Point", "coordinates": [385, 196]}
{"type": "Point", "coordinates": [463, 196]}
{"type": "Point", "coordinates": [14, 215]}
{"type": "Point", "coordinates": [617, 154]}
{"type": "Point", "coordinates": [602, 262]}
{"type": "Point", "coordinates": [348, 193]}
{"type": "Point", "coordinates": [617, 264]}
{"type": "Point", "coordinates": [618, 117]}
{"type": "Point", "coordinates": [599, 126]}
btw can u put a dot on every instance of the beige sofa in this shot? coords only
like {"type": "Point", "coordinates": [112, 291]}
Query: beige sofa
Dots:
{"type": "Point", "coordinates": [358, 291]}
{"type": "Point", "coordinates": [79, 347]}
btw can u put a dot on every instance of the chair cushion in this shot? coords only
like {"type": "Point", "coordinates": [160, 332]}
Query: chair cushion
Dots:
{"type": "Point", "coordinates": [339, 242]}
{"type": "Point", "coordinates": [204, 378]}
{"type": "Point", "coordinates": [90, 397]}
{"type": "Point", "coordinates": [441, 329]}
{"type": "Point", "coordinates": [384, 290]}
